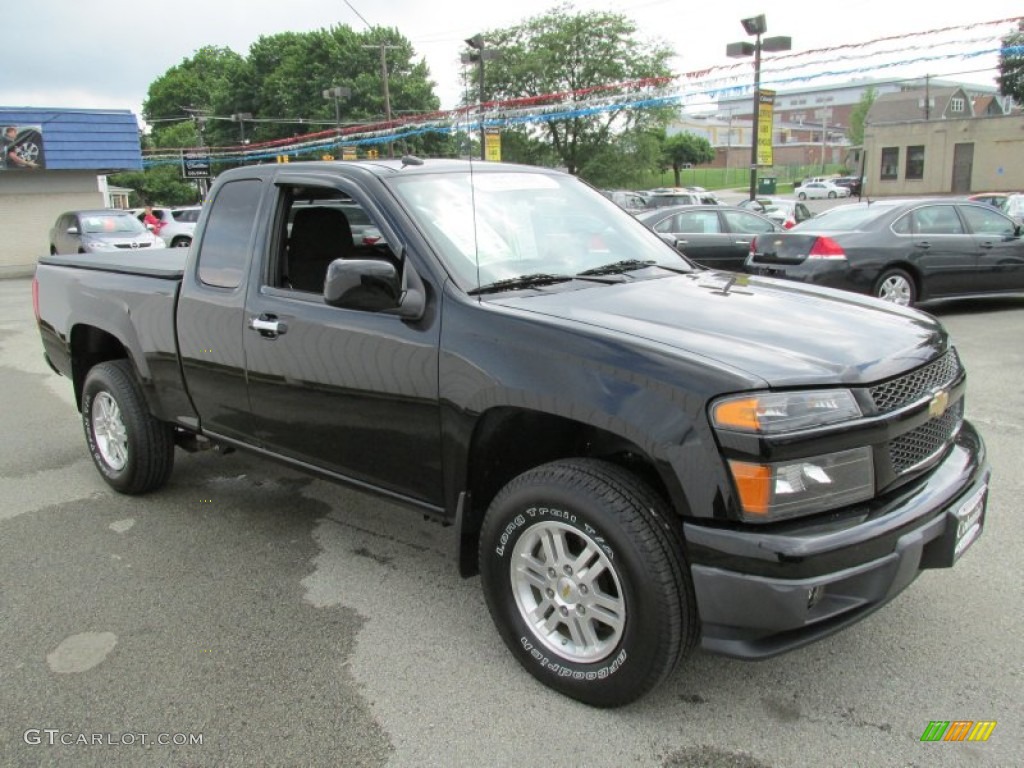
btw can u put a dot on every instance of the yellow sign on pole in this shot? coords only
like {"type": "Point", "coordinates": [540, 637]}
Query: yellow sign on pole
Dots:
{"type": "Point", "coordinates": [765, 121]}
{"type": "Point", "coordinates": [348, 153]}
{"type": "Point", "coordinates": [492, 144]}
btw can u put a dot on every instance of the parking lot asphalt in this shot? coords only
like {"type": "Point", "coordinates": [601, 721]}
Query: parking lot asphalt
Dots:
{"type": "Point", "coordinates": [282, 621]}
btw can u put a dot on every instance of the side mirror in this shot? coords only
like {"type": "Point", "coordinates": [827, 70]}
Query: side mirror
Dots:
{"type": "Point", "coordinates": [374, 286]}
{"type": "Point", "coordinates": [72, 230]}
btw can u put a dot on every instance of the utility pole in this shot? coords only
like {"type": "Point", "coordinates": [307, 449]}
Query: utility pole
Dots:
{"type": "Point", "coordinates": [825, 115]}
{"type": "Point", "coordinates": [384, 47]}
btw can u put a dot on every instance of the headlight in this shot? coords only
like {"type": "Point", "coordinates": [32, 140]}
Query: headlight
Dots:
{"type": "Point", "coordinates": [771, 492]}
{"type": "Point", "coordinates": [774, 412]}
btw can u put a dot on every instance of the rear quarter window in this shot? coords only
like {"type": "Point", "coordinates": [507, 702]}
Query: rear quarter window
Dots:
{"type": "Point", "coordinates": [224, 250]}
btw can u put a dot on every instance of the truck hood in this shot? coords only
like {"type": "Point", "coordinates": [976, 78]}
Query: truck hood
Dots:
{"type": "Point", "coordinates": [784, 333]}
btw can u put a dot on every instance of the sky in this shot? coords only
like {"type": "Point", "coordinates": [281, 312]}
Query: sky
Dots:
{"type": "Point", "coordinates": [103, 54]}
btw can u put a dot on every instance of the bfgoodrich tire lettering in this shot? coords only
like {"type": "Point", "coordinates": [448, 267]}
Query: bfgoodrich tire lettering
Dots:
{"type": "Point", "coordinates": [132, 450]}
{"type": "Point", "coordinates": [586, 581]}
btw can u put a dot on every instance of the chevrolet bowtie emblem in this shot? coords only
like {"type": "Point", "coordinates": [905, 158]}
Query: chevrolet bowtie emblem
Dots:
{"type": "Point", "coordinates": [566, 591]}
{"type": "Point", "coordinates": [939, 403]}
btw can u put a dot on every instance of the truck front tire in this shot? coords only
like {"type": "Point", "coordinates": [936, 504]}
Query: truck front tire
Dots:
{"type": "Point", "coordinates": [586, 582]}
{"type": "Point", "coordinates": [133, 451]}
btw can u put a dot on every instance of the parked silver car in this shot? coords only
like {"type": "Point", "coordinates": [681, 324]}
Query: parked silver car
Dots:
{"type": "Point", "coordinates": [104, 229]}
{"type": "Point", "coordinates": [179, 224]}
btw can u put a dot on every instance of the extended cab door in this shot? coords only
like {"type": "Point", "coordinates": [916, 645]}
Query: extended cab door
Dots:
{"type": "Point", "coordinates": [353, 392]}
{"type": "Point", "coordinates": [211, 309]}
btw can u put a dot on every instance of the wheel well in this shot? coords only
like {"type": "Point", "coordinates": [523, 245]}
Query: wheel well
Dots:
{"type": "Point", "coordinates": [509, 441]}
{"type": "Point", "coordinates": [89, 347]}
{"type": "Point", "coordinates": [903, 266]}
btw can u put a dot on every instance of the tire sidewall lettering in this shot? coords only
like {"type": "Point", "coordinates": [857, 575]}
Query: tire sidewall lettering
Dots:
{"type": "Point", "coordinates": [565, 669]}
{"type": "Point", "coordinates": [511, 532]}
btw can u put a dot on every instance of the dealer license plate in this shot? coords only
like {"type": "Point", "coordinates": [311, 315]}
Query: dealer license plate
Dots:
{"type": "Point", "coordinates": [969, 519]}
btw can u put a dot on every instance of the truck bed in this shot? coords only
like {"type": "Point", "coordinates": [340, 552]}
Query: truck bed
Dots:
{"type": "Point", "coordinates": [164, 263]}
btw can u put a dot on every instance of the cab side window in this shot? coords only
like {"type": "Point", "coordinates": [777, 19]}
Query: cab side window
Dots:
{"type": "Point", "coordinates": [317, 226]}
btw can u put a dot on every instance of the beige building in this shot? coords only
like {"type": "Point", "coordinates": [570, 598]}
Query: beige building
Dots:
{"type": "Point", "coordinates": [959, 147]}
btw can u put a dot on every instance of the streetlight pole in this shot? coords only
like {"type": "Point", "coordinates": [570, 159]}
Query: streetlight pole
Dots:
{"type": "Point", "coordinates": [480, 54]}
{"type": "Point", "coordinates": [755, 27]}
{"type": "Point", "coordinates": [337, 92]}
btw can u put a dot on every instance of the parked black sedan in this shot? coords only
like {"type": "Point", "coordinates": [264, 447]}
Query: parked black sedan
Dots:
{"type": "Point", "coordinates": [715, 236]}
{"type": "Point", "coordinates": [903, 251]}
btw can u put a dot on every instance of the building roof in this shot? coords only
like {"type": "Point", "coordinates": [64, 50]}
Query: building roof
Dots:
{"type": "Point", "coordinates": [909, 105]}
{"type": "Point", "coordinates": [82, 139]}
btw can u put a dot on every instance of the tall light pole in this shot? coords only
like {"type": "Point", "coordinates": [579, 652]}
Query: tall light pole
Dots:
{"type": "Point", "coordinates": [755, 27]}
{"type": "Point", "coordinates": [480, 54]}
{"type": "Point", "coordinates": [337, 92]}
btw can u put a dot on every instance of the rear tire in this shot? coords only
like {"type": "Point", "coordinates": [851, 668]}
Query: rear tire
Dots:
{"type": "Point", "coordinates": [133, 451]}
{"type": "Point", "coordinates": [896, 286]}
{"type": "Point", "coordinates": [802, 196]}
{"type": "Point", "coordinates": [586, 581]}
{"type": "Point", "coordinates": [831, 195]}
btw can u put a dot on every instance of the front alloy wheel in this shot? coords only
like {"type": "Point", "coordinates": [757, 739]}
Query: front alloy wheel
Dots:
{"type": "Point", "coordinates": [568, 592]}
{"type": "Point", "coordinates": [585, 577]}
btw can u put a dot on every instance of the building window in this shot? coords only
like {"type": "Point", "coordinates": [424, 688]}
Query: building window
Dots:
{"type": "Point", "coordinates": [890, 163]}
{"type": "Point", "coordinates": [956, 104]}
{"type": "Point", "coordinates": [915, 163]}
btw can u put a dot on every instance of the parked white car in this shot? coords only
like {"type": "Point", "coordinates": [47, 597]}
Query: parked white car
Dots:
{"type": "Point", "coordinates": [179, 224]}
{"type": "Point", "coordinates": [820, 189]}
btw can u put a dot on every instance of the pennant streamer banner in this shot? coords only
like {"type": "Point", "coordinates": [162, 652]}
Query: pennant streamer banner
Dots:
{"type": "Point", "coordinates": [702, 88]}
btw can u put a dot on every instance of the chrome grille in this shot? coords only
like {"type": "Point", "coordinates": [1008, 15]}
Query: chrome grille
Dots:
{"type": "Point", "coordinates": [895, 393]}
{"type": "Point", "coordinates": [909, 450]}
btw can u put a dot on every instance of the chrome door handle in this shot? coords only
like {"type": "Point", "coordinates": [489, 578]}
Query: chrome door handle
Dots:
{"type": "Point", "coordinates": [267, 325]}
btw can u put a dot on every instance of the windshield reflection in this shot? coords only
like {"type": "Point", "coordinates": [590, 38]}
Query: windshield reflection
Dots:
{"type": "Point", "coordinates": [494, 226]}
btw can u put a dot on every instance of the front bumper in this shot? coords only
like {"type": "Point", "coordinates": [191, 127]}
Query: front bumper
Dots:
{"type": "Point", "coordinates": [761, 593]}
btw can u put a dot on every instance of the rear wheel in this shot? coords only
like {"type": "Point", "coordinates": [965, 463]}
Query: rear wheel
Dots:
{"type": "Point", "coordinates": [586, 582]}
{"type": "Point", "coordinates": [831, 195]}
{"type": "Point", "coordinates": [896, 286]}
{"type": "Point", "coordinates": [133, 451]}
{"type": "Point", "coordinates": [802, 196]}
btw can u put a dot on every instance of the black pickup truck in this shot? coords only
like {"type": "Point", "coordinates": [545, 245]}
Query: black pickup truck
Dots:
{"type": "Point", "coordinates": [638, 455]}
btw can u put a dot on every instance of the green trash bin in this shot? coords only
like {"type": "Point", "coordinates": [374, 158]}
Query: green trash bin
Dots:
{"type": "Point", "coordinates": [766, 185]}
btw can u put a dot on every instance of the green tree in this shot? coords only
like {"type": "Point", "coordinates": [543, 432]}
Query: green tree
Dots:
{"type": "Point", "coordinates": [1011, 65]}
{"type": "Point", "coordinates": [163, 184]}
{"type": "Point", "coordinates": [684, 150]}
{"type": "Point", "coordinates": [858, 115]}
{"type": "Point", "coordinates": [568, 51]}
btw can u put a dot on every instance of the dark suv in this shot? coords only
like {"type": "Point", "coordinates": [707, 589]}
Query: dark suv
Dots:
{"type": "Point", "coordinates": [853, 183]}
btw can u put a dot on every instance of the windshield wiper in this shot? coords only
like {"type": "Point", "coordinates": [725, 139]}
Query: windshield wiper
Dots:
{"type": "Point", "coordinates": [629, 265]}
{"type": "Point", "coordinates": [618, 267]}
{"type": "Point", "coordinates": [523, 281]}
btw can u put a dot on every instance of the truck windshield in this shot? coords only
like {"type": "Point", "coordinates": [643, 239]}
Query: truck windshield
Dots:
{"type": "Point", "coordinates": [494, 226]}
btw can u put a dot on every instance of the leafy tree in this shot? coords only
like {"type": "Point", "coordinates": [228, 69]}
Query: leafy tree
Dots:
{"type": "Point", "coordinates": [567, 51]}
{"type": "Point", "coordinates": [1011, 65]}
{"type": "Point", "coordinates": [163, 184]}
{"type": "Point", "coordinates": [859, 114]}
{"type": "Point", "coordinates": [686, 149]}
